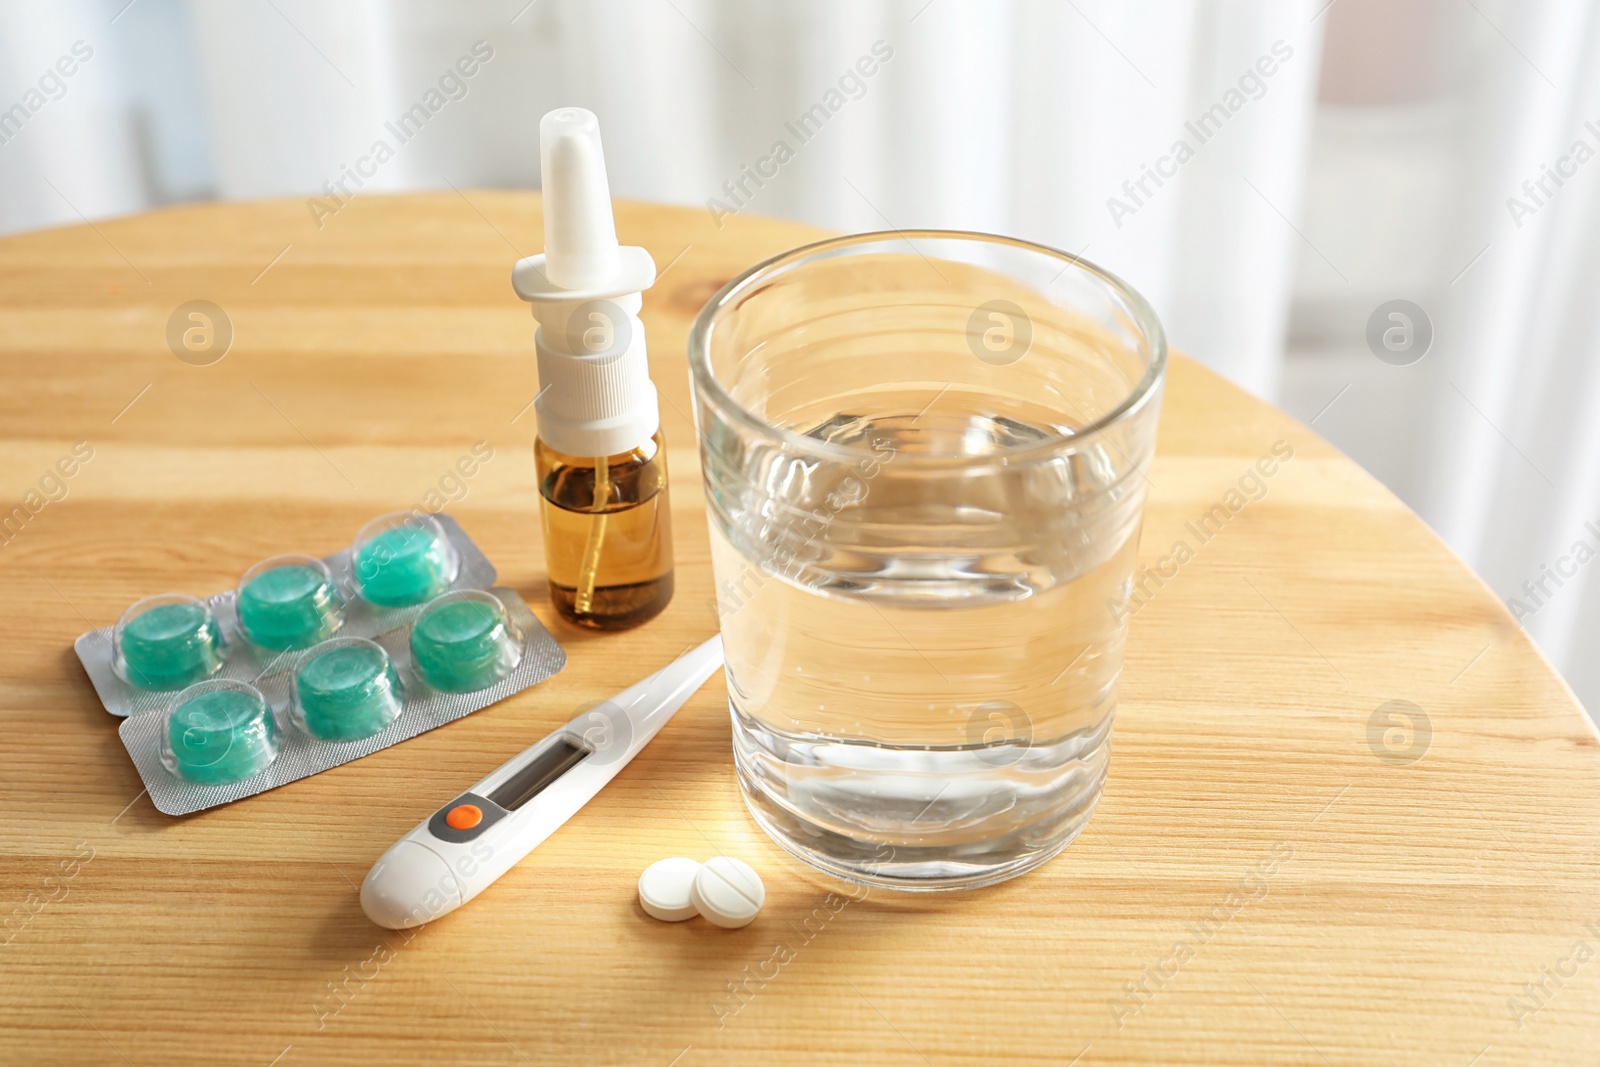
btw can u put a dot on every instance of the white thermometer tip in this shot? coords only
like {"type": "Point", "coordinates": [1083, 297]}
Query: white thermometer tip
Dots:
{"type": "Point", "coordinates": [410, 885]}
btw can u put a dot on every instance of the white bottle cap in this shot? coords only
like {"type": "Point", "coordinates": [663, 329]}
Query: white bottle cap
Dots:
{"type": "Point", "coordinates": [595, 394]}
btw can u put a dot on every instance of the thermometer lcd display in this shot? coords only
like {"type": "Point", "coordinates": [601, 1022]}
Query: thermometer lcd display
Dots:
{"type": "Point", "coordinates": [540, 772]}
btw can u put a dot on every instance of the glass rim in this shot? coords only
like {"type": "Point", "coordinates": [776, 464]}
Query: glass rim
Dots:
{"type": "Point", "coordinates": [704, 378]}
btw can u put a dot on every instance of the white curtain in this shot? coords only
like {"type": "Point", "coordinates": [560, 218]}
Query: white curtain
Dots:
{"type": "Point", "coordinates": [1282, 217]}
{"type": "Point", "coordinates": [67, 149]}
{"type": "Point", "coordinates": [1511, 439]}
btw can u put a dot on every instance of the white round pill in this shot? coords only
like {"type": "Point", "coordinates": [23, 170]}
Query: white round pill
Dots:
{"type": "Point", "coordinates": [666, 889]}
{"type": "Point", "coordinates": [728, 892]}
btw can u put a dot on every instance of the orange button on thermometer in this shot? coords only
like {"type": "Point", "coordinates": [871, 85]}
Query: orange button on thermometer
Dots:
{"type": "Point", "coordinates": [469, 841]}
{"type": "Point", "coordinates": [463, 816]}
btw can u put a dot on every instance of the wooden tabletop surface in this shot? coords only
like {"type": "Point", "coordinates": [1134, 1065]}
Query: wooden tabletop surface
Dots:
{"type": "Point", "coordinates": [1287, 867]}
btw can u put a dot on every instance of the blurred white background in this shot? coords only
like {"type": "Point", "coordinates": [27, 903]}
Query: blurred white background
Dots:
{"type": "Point", "coordinates": [1344, 155]}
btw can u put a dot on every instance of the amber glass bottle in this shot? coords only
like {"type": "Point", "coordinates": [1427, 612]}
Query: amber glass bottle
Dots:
{"type": "Point", "coordinates": [607, 534]}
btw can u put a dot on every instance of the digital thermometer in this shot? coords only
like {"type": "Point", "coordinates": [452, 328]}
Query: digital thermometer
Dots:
{"type": "Point", "coordinates": [458, 851]}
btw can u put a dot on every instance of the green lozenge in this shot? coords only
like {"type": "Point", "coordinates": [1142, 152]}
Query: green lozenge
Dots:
{"type": "Point", "coordinates": [170, 646]}
{"type": "Point", "coordinates": [407, 565]}
{"type": "Point", "coordinates": [464, 645]}
{"type": "Point", "coordinates": [293, 605]}
{"type": "Point", "coordinates": [348, 691]}
{"type": "Point", "coordinates": [221, 735]}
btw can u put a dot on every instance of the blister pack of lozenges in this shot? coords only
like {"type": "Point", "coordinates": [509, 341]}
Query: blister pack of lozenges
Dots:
{"type": "Point", "coordinates": [224, 739]}
{"type": "Point", "coordinates": [280, 607]}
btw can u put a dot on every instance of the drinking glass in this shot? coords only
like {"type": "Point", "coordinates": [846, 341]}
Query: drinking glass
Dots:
{"type": "Point", "coordinates": [925, 463]}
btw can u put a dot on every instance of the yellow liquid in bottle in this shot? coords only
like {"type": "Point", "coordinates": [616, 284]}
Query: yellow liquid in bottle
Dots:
{"type": "Point", "coordinates": [607, 534]}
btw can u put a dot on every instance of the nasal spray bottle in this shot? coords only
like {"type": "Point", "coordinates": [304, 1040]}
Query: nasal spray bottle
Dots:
{"type": "Point", "coordinates": [601, 458]}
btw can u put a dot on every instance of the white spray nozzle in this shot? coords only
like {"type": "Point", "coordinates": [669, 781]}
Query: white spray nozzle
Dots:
{"type": "Point", "coordinates": [581, 258]}
{"type": "Point", "coordinates": [580, 236]}
{"type": "Point", "coordinates": [595, 396]}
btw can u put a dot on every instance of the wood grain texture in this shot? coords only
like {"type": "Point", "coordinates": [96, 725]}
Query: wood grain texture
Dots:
{"type": "Point", "coordinates": [1407, 903]}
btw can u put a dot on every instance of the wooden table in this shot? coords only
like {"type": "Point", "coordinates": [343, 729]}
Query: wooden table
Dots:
{"type": "Point", "coordinates": [1286, 867]}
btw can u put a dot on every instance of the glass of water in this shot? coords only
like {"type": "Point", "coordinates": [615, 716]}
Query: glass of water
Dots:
{"type": "Point", "coordinates": [925, 460]}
